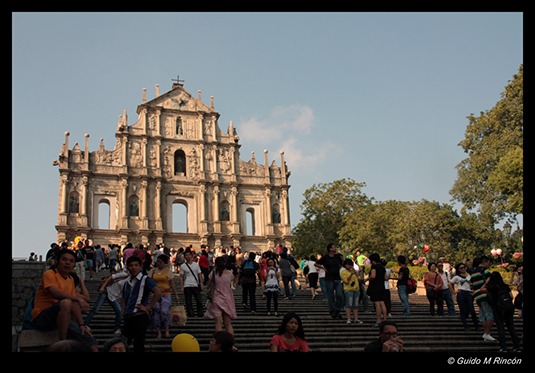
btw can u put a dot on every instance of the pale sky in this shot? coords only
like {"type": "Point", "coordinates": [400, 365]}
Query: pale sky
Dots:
{"type": "Point", "coordinates": [381, 98]}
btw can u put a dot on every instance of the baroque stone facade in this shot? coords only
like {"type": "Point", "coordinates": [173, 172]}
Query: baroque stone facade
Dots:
{"type": "Point", "coordinates": [175, 153]}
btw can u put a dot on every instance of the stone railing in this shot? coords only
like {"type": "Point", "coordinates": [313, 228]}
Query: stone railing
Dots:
{"type": "Point", "coordinates": [25, 275]}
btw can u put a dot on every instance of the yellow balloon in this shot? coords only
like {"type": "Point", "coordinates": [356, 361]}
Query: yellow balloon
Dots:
{"type": "Point", "coordinates": [185, 343]}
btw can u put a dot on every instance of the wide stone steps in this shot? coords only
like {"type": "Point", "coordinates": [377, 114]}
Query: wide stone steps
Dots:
{"type": "Point", "coordinates": [420, 332]}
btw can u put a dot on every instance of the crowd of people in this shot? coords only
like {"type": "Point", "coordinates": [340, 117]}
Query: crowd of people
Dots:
{"type": "Point", "coordinates": [141, 287]}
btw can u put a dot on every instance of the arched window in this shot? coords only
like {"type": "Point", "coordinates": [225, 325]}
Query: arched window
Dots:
{"type": "Point", "coordinates": [103, 214]}
{"type": "Point", "coordinates": [180, 217]}
{"type": "Point", "coordinates": [180, 163]}
{"type": "Point", "coordinates": [250, 222]}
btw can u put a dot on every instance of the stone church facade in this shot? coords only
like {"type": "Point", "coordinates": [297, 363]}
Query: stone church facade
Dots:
{"type": "Point", "coordinates": [175, 153]}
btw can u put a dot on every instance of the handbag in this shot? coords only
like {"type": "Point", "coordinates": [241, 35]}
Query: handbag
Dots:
{"type": "Point", "coordinates": [211, 288]}
{"type": "Point", "coordinates": [178, 316]}
{"type": "Point", "coordinates": [432, 293]}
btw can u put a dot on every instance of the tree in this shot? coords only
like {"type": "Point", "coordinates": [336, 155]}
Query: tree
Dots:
{"type": "Point", "coordinates": [491, 178]}
{"type": "Point", "coordinates": [323, 209]}
{"type": "Point", "coordinates": [377, 227]}
{"type": "Point", "coordinates": [385, 228]}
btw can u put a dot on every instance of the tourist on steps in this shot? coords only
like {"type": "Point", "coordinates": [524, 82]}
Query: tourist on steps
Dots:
{"type": "Point", "coordinates": [290, 335]}
{"type": "Point", "coordinates": [56, 302]}
{"type": "Point", "coordinates": [331, 264]}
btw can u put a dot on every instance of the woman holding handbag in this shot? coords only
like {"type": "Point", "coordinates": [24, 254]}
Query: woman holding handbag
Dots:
{"type": "Point", "coordinates": [161, 312]}
{"type": "Point", "coordinates": [221, 307]}
{"type": "Point", "coordinates": [433, 284]}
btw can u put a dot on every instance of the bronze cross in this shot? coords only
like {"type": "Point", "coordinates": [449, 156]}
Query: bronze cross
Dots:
{"type": "Point", "coordinates": [177, 80]}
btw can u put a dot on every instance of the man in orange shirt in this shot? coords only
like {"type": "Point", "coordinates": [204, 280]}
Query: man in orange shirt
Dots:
{"type": "Point", "coordinates": [56, 300]}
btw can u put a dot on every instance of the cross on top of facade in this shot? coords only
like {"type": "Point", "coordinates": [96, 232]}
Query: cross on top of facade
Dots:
{"type": "Point", "coordinates": [178, 81]}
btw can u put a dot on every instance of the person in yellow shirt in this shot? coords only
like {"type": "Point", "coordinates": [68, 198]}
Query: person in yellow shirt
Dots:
{"type": "Point", "coordinates": [350, 280]}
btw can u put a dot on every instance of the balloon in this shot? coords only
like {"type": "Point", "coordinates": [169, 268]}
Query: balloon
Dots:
{"type": "Point", "coordinates": [499, 251]}
{"type": "Point", "coordinates": [505, 265]}
{"type": "Point", "coordinates": [77, 239]}
{"type": "Point", "coordinates": [493, 252]}
{"type": "Point", "coordinates": [185, 343]}
{"type": "Point", "coordinates": [426, 248]}
{"type": "Point", "coordinates": [517, 255]}
{"type": "Point", "coordinates": [421, 246]}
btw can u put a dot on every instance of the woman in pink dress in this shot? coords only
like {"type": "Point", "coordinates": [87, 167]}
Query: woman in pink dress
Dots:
{"type": "Point", "coordinates": [221, 307]}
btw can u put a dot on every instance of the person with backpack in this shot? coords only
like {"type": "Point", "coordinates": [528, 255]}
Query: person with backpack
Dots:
{"type": "Point", "coordinates": [501, 300]}
{"type": "Point", "coordinates": [249, 270]}
{"type": "Point", "coordinates": [403, 285]}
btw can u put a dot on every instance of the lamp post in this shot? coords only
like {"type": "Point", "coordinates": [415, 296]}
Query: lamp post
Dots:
{"type": "Point", "coordinates": [410, 241]}
{"type": "Point", "coordinates": [507, 231]}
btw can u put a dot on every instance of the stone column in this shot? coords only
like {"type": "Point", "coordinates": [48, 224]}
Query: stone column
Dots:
{"type": "Point", "coordinates": [144, 205]}
{"type": "Point", "coordinates": [124, 204]}
{"type": "Point", "coordinates": [157, 205]}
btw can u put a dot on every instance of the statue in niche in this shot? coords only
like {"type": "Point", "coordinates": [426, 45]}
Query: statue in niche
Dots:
{"type": "Point", "coordinates": [180, 162]}
{"type": "Point", "coordinates": [276, 216]}
{"type": "Point", "coordinates": [225, 216]}
{"type": "Point", "coordinates": [73, 205]}
{"type": "Point", "coordinates": [179, 129]}
{"type": "Point", "coordinates": [134, 209]}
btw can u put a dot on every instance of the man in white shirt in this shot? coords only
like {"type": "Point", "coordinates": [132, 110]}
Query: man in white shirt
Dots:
{"type": "Point", "coordinates": [191, 284]}
{"type": "Point", "coordinates": [447, 289]}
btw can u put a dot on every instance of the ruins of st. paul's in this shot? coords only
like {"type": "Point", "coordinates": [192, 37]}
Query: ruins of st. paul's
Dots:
{"type": "Point", "coordinates": [175, 153]}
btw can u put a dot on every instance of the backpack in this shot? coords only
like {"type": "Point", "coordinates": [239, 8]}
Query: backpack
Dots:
{"type": "Point", "coordinates": [503, 303]}
{"type": "Point", "coordinates": [412, 284]}
{"type": "Point", "coordinates": [248, 270]}
{"type": "Point", "coordinates": [27, 323]}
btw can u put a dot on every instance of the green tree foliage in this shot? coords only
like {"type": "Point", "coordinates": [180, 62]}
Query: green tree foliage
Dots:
{"type": "Point", "coordinates": [385, 228]}
{"type": "Point", "coordinates": [491, 178]}
{"type": "Point", "coordinates": [340, 213]}
{"type": "Point", "coordinates": [323, 209]}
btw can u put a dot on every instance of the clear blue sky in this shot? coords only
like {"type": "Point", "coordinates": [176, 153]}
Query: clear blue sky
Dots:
{"type": "Point", "coordinates": [381, 98]}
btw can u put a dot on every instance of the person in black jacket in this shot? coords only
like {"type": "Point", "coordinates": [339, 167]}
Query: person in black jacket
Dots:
{"type": "Point", "coordinates": [501, 301]}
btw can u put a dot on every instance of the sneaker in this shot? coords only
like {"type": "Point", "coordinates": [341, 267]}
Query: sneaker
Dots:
{"type": "Point", "coordinates": [357, 322]}
{"type": "Point", "coordinates": [488, 337]}
{"type": "Point", "coordinates": [348, 321]}
{"type": "Point", "coordinates": [117, 332]}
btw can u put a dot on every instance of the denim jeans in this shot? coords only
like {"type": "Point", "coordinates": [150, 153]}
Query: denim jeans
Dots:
{"type": "Point", "coordinates": [322, 287]}
{"type": "Point", "coordinates": [100, 301]}
{"type": "Point", "coordinates": [403, 293]}
{"type": "Point", "coordinates": [336, 301]}
{"type": "Point", "coordinates": [446, 296]}
{"type": "Point", "coordinates": [466, 306]}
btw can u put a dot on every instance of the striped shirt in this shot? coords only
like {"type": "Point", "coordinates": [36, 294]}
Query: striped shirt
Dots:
{"type": "Point", "coordinates": [136, 291]}
{"type": "Point", "coordinates": [477, 280]}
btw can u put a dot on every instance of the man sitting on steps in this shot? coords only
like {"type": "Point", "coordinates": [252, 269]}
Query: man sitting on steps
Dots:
{"type": "Point", "coordinates": [56, 302]}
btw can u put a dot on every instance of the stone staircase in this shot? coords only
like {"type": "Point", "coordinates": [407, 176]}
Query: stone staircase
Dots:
{"type": "Point", "coordinates": [420, 332]}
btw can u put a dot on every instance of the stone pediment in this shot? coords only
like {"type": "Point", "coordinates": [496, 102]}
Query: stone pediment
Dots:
{"type": "Point", "coordinates": [179, 99]}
